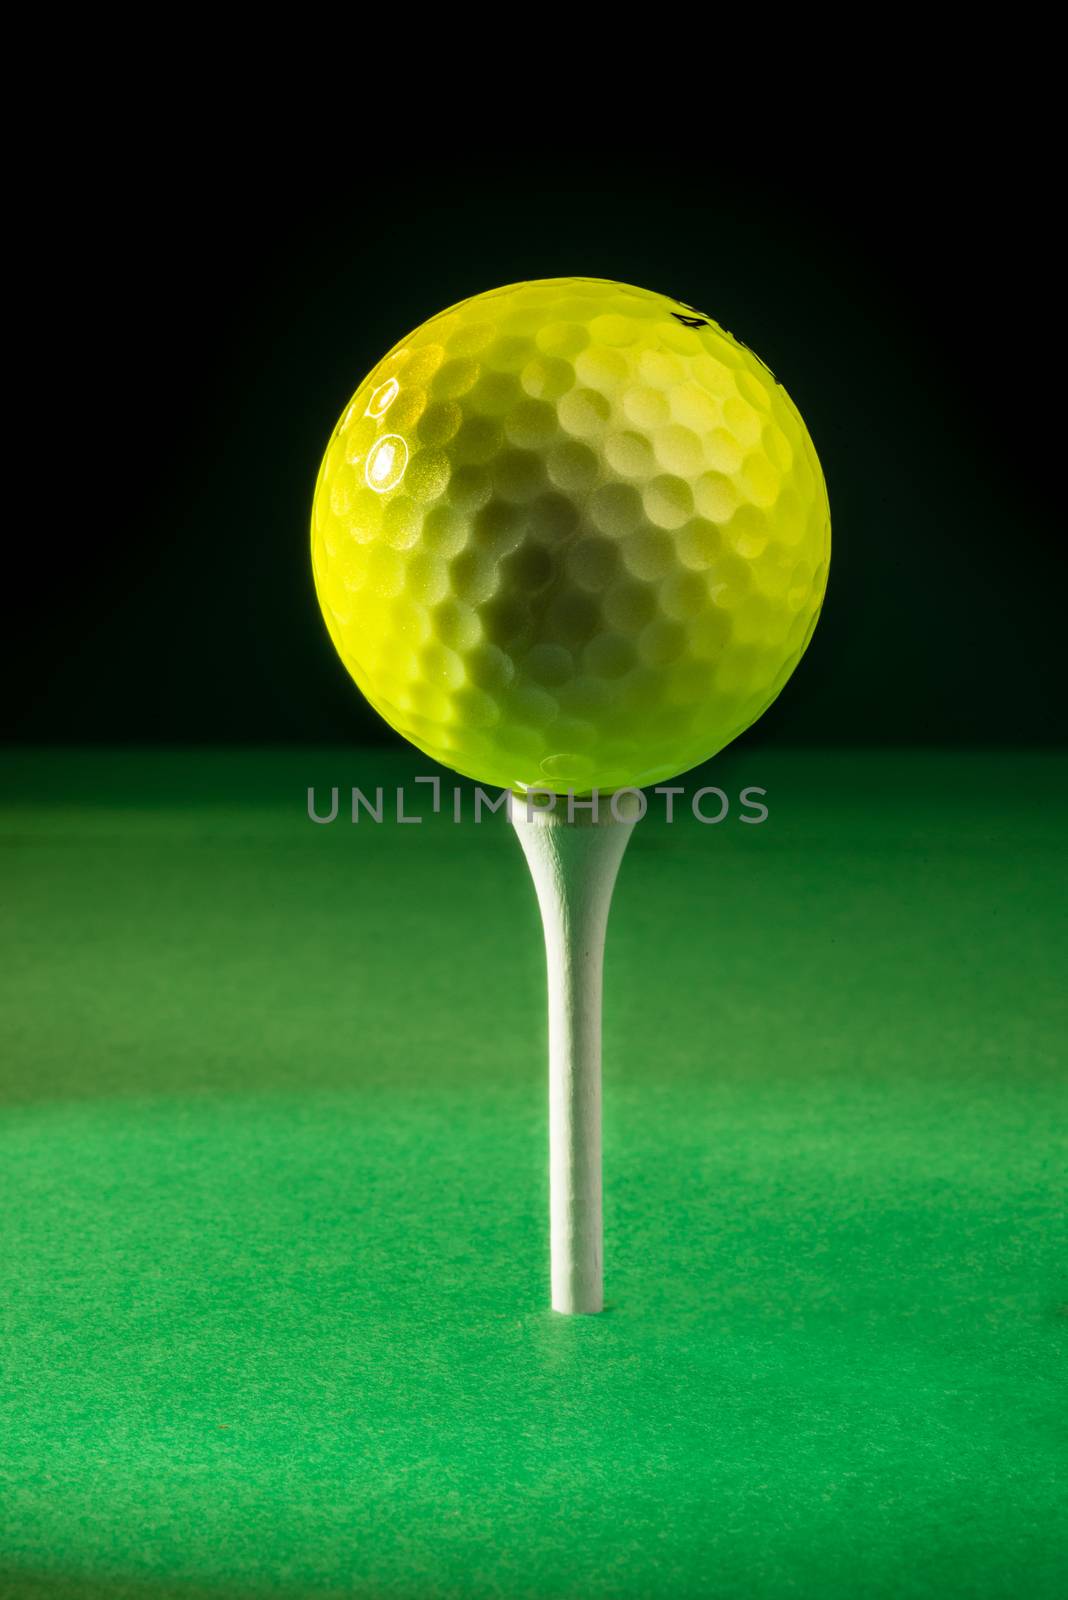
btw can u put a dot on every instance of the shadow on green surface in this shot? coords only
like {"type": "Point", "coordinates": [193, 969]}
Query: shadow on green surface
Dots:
{"type": "Point", "coordinates": [16, 1585]}
{"type": "Point", "coordinates": [173, 924]}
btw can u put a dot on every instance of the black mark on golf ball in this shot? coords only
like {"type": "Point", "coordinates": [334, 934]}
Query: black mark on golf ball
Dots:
{"type": "Point", "coordinates": [696, 320]}
{"type": "Point", "coordinates": [756, 358]}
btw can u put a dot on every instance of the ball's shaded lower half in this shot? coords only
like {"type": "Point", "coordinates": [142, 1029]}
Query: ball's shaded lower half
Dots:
{"type": "Point", "coordinates": [570, 535]}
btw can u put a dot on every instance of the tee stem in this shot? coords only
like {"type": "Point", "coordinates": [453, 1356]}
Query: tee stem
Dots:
{"type": "Point", "coordinates": [574, 865]}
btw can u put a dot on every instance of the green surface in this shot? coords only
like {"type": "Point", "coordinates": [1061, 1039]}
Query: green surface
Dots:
{"type": "Point", "coordinates": [273, 1189]}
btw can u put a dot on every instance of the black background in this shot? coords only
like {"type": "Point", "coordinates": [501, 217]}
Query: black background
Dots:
{"type": "Point", "coordinates": [214, 321]}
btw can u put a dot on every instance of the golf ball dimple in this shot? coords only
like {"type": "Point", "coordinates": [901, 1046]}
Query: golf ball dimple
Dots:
{"type": "Point", "coordinates": [570, 534]}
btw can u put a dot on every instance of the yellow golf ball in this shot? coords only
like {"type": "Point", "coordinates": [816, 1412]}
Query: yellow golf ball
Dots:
{"type": "Point", "coordinates": [570, 534]}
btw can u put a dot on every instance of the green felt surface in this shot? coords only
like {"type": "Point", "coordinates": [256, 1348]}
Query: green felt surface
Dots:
{"type": "Point", "coordinates": [273, 1271]}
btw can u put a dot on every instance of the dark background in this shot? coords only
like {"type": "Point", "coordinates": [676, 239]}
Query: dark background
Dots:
{"type": "Point", "coordinates": [220, 316]}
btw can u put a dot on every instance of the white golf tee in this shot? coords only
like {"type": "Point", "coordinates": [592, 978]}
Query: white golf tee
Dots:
{"type": "Point", "coordinates": [574, 865]}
